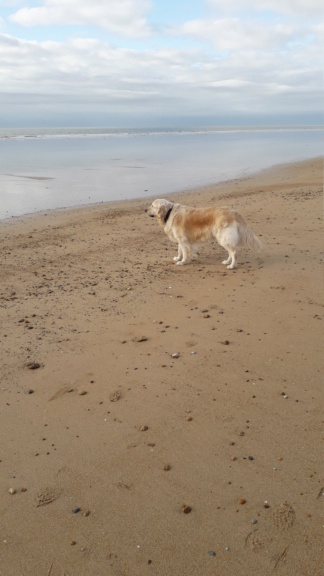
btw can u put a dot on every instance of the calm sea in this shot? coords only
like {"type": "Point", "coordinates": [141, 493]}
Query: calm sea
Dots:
{"type": "Point", "coordinates": [43, 169]}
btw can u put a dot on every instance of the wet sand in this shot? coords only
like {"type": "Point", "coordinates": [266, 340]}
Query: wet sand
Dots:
{"type": "Point", "coordinates": [158, 419]}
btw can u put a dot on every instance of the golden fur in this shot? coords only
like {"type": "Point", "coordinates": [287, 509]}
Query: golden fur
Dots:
{"type": "Point", "coordinates": [190, 226]}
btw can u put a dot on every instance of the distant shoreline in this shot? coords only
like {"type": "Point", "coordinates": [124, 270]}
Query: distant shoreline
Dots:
{"type": "Point", "coordinates": [92, 132]}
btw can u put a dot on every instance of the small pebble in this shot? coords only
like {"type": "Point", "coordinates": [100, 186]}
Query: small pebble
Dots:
{"type": "Point", "coordinates": [251, 458]}
{"type": "Point", "coordinates": [144, 428]}
{"type": "Point", "coordinates": [186, 509]}
{"type": "Point", "coordinates": [242, 501]}
{"type": "Point", "coordinates": [73, 543]}
{"type": "Point", "coordinates": [86, 513]}
{"type": "Point", "coordinates": [234, 458]}
{"type": "Point", "coordinates": [188, 418]}
{"type": "Point", "coordinates": [167, 467]}
{"type": "Point", "coordinates": [254, 521]}
{"type": "Point", "coordinates": [225, 342]}
{"type": "Point", "coordinates": [30, 391]}
{"type": "Point", "coordinates": [12, 490]}
{"type": "Point", "coordinates": [227, 549]}
{"type": "Point", "coordinates": [176, 355]}
{"type": "Point", "coordinates": [211, 553]}
{"type": "Point", "coordinates": [82, 392]}
{"type": "Point", "coordinates": [76, 510]}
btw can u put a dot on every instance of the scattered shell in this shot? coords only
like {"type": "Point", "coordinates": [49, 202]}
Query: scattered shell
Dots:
{"type": "Point", "coordinates": [33, 365]}
{"type": "Point", "coordinates": [176, 355]}
{"type": "Point", "coordinates": [225, 342]}
{"type": "Point", "coordinates": [242, 501]}
{"type": "Point", "coordinates": [115, 396]}
{"type": "Point", "coordinates": [82, 392]}
{"type": "Point", "coordinates": [234, 458]}
{"type": "Point", "coordinates": [227, 549]}
{"type": "Point", "coordinates": [211, 553]}
{"type": "Point", "coordinates": [72, 543]}
{"type": "Point", "coordinates": [12, 490]}
{"type": "Point", "coordinates": [143, 428]}
{"type": "Point", "coordinates": [167, 467]}
{"type": "Point", "coordinates": [186, 509]}
{"type": "Point", "coordinates": [254, 521]}
{"type": "Point", "coordinates": [141, 338]}
{"type": "Point", "coordinates": [188, 418]}
{"type": "Point", "coordinates": [86, 513]}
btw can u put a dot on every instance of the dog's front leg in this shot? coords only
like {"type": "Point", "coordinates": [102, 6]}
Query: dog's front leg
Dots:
{"type": "Point", "coordinates": [186, 254]}
{"type": "Point", "coordinates": [179, 257]}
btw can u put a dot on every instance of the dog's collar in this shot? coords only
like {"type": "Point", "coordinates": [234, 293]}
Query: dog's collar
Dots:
{"type": "Point", "coordinates": [167, 216]}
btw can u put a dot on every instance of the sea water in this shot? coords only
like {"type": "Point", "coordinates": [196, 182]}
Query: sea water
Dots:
{"type": "Point", "coordinates": [43, 169]}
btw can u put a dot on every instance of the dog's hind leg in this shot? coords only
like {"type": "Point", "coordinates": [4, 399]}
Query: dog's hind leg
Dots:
{"type": "Point", "coordinates": [228, 261]}
{"type": "Point", "coordinates": [228, 238]}
{"type": "Point", "coordinates": [231, 261]}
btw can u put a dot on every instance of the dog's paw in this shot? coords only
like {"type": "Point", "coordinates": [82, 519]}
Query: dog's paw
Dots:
{"type": "Point", "coordinates": [181, 262]}
{"type": "Point", "coordinates": [176, 258]}
{"type": "Point", "coordinates": [231, 266]}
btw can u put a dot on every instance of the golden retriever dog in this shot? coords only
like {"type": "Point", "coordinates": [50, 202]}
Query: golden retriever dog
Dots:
{"type": "Point", "coordinates": [190, 226]}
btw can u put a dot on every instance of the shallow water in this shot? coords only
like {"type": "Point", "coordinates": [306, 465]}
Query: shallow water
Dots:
{"type": "Point", "coordinates": [42, 170]}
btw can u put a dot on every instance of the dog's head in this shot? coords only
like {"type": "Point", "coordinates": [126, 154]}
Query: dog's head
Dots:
{"type": "Point", "coordinates": [160, 209]}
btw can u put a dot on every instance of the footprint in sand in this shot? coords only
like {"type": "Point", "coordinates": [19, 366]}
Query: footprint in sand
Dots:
{"type": "Point", "coordinates": [257, 540]}
{"type": "Point", "coordinates": [47, 496]}
{"type": "Point", "coordinates": [284, 516]}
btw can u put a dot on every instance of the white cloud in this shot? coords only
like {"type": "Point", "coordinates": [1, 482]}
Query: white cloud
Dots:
{"type": "Point", "coordinates": [293, 7]}
{"type": "Point", "coordinates": [236, 34]}
{"type": "Point", "coordinates": [92, 72]}
{"type": "Point", "coordinates": [126, 17]}
{"type": "Point", "coordinates": [224, 63]}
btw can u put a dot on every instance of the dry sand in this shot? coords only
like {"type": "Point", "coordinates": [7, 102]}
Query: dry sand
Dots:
{"type": "Point", "coordinates": [107, 436]}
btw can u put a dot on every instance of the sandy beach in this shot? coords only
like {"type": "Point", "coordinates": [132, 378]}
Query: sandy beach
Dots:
{"type": "Point", "coordinates": [158, 419]}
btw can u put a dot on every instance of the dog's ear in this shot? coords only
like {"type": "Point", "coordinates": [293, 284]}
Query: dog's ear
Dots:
{"type": "Point", "coordinates": [163, 211]}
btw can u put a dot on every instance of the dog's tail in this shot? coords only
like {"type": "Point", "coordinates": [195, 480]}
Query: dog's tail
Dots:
{"type": "Point", "coordinates": [249, 239]}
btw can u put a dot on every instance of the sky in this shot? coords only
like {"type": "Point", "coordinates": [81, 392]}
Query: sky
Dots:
{"type": "Point", "coordinates": [155, 63]}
